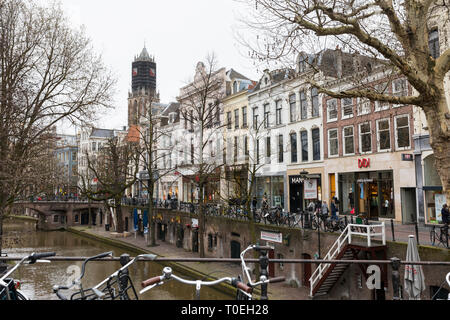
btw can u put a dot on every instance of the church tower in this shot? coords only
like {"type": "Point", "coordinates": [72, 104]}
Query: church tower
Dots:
{"type": "Point", "coordinates": [143, 87]}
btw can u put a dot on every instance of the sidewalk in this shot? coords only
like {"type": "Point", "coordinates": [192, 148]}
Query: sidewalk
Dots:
{"type": "Point", "coordinates": [276, 291]}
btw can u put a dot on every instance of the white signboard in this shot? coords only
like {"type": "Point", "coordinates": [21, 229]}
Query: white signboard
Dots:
{"type": "Point", "coordinates": [194, 223]}
{"type": "Point", "coordinates": [439, 200]}
{"type": "Point", "coordinates": [310, 189]}
{"type": "Point", "coordinates": [272, 237]}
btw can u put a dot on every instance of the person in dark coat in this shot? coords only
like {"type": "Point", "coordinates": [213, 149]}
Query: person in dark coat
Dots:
{"type": "Point", "coordinates": [333, 209]}
{"type": "Point", "coordinates": [445, 214]}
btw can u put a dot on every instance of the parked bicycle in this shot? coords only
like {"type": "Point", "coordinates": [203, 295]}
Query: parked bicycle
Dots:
{"type": "Point", "coordinates": [264, 280]}
{"type": "Point", "coordinates": [9, 287]}
{"type": "Point", "coordinates": [168, 275]}
{"type": "Point", "coordinates": [441, 236]}
{"type": "Point", "coordinates": [82, 294]}
{"type": "Point", "coordinates": [119, 286]}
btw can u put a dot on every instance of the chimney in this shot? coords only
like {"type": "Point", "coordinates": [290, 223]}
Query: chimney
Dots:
{"type": "Point", "coordinates": [338, 62]}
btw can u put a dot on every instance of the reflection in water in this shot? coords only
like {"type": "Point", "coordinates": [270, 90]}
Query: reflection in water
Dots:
{"type": "Point", "coordinates": [37, 280]}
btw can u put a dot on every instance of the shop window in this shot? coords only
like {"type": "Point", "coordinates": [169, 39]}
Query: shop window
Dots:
{"type": "Point", "coordinates": [294, 147]}
{"type": "Point", "coordinates": [333, 142]}
{"type": "Point", "coordinates": [304, 140]}
{"type": "Point", "coordinates": [347, 108]}
{"type": "Point", "coordinates": [365, 136]}
{"type": "Point", "coordinates": [402, 138]}
{"type": "Point", "coordinates": [278, 109]}
{"type": "Point", "coordinates": [293, 108]}
{"type": "Point", "coordinates": [364, 106]}
{"type": "Point", "coordinates": [316, 144]}
{"type": "Point", "coordinates": [315, 102]}
{"type": "Point", "coordinates": [383, 135]}
{"type": "Point", "coordinates": [349, 143]}
{"type": "Point", "coordinates": [303, 105]}
{"type": "Point", "coordinates": [332, 110]}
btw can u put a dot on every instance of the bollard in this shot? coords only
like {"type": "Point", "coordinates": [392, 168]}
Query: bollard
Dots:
{"type": "Point", "coordinates": [396, 278]}
{"type": "Point", "coordinates": [264, 263]}
{"type": "Point", "coordinates": [392, 229]}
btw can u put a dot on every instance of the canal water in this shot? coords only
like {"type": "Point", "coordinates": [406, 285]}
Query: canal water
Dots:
{"type": "Point", "coordinates": [38, 279]}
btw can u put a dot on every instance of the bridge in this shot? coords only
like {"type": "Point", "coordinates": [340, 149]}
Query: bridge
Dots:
{"type": "Point", "coordinates": [56, 215]}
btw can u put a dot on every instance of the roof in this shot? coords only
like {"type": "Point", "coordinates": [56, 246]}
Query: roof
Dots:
{"type": "Point", "coordinates": [102, 133]}
{"type": "Point", "coordinates": [133, 134]}
{"type": "Point", "coordinates": [233, 74]}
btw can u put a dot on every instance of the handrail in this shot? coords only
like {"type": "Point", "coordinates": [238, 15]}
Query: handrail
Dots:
{"type": "Point", "coordinates": [338, 244]}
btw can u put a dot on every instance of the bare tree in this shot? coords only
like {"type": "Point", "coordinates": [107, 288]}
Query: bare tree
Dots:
{"type": "Point", "coordinates": [397, 32]}
{"type": "Point", "coordinates": [111, 171]}
{"type": "Point", "coordinates": [200, 106]}
{"type": "Point", "coordinates": [48, 72]}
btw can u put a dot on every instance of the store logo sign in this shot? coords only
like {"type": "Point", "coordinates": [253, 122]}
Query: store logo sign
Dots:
{"type": "Point", "coordinates": [363, 163]}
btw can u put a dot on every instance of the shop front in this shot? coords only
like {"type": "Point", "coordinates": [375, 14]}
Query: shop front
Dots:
{"type": "Point", "coordinates": [271, 187]}
{"type": "Point", "coordinates": [304, 189]}
{"type": "Point", "coordinates": [432, 191]}
{"type": "Point", "coordinates": [371, 194]}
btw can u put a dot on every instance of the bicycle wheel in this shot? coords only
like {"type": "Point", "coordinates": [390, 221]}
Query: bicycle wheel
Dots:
{"type": "Point", "coordinates": [432, 236]}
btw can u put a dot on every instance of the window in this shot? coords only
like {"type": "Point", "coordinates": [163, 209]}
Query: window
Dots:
{"type": "Point", "coordinates": [278, 108]}
{"type": "Point", "coordinates": [382, 88]}
{"type": "Point", "coordinates": [236, 140]}
{"type": "Point", "coordinates": [217, 113]}
{"type": "Point", "coordinates": [266, 115]}
{"type": "Point", "coordinates": [192, 120]}
{"type": "Point", "coordinates": [316, 143]}
{"type": "Point", "coordinates": [229, 120]}
{"type": "Point", "coordinates": [349, 143]}
{"type": "Point", "coordinates": [246, 145]}
{"type": "Point", "coordinates": [433, 43]}
{"type": "Point", "coordinates": [364, 106]}
{"type": "Point", "coordinates": [332, 110]}
{"type": "Point", "coordinates": [365, 138]}
{"type": "Point", "coordinates": [292, 108]}
{"type": "Point", "coordinates": [294, 147]}
{"type": "Point", "coordinates": [255, 117]}
{"type": "Point", "coordinates": [268, 154]}
{"type": "Point", "coordinates": [347, 108]}
{"type": "Point", "coordinates": [399, 89]}
{"type": "Point", "coordinates": [333, 142]}
{"type": "Point", "coordinates": [244, 117]}
{"type": "Point", "coordinates": [315, 102]}
{"type": "Point", "coordinates": [257, 151]}
{"type": "Point", "coordinates": [303, 105]}
{"type": "Point", "coordinates": [402, 132]}
{"type": "Point", "coordinates": [235, 87]}
{"type": "Point", "coordinates": [384, 137]}
{"type": "Point", "coordinates": [304, 140]}
{"type": "Point", "coordinates": [302, 64]}
{"type": "Point", "coordinates": [236, 119]}
{"type": "Point", "coordinates": [280, 149]}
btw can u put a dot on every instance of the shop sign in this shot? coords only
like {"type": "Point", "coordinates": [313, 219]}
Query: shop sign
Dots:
{"type": "Point", "coordinates": [310, 189]}
{"type": "Point", "coordinates": [363, 163]}
{"type": "Point", "coordinates": [296, 180]}
{"type": "Point", "coordinates": [439, 201]}
{"type": "Point", "coordinates": [407, 157]}
{"type": "Point", "coordinates": [272, 237]}
{"type": "Point", "coordinates": [194, 223]}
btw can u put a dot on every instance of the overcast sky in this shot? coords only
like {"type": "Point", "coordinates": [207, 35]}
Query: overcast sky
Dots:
{"type": "Point", "coordinates": [178, 33]}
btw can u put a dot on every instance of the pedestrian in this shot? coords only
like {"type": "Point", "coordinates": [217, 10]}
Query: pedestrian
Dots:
{"type": "Point", "coordinates": [333, 209]}
{"type": "Point", "coordinates": [445, 212]}
{"type": "Point", "coordinates": [324, 208]}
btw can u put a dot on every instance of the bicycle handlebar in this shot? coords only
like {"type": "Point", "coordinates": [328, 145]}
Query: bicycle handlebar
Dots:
{"type": "Point", "coordinates": [152, 281]}
{"type": "Point", "coordinates": [32, 258]}
{"type": "Point", "coordinates": [276, 279]}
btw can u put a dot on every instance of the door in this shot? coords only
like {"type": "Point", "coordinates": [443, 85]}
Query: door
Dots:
{"type": "Point", "coordinates": [126, 224]}
{"type": "Point", "coordinates": [195, 240]}
{"type": "Point", "coordinates": [235, 247]}
{"type": "Point", "coordinates": [306, 270]}
{"type": "Point", "coordinates": [409, 212]}
{"type": "Point", "coordinates": [296, 195]}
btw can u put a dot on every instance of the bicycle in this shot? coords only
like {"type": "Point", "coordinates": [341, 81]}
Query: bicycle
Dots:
{"type": "Point", "coordinates": [10, 288]}
{"type": "Point", "coordinates": [263, 279]}
{"type": "Point", "coordinates": [119, 284]}
{"type": "Point", "coordinates": [168, 275]}
{"type": "Point", "coordinates": [441, 237]}
{"type": "Point", "coordinates": [82, 294]}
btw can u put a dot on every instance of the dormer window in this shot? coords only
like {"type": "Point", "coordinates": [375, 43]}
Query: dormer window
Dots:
{"type": "Point", "coordinates": [235, 87]}
{"type": "Point", "coordinates": [302, 64]}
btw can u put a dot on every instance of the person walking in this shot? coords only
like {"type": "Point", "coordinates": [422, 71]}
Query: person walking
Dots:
{"type": "Point", "coordinates": [445, 212]}
{"type": "Point", "coordinates": [325, 208]}
{"type": "Point", "coordinates": [333, 209]}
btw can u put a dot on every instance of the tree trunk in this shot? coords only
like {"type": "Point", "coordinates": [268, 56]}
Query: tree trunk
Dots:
{"type": "Point", "coordinates": [120, 227]}
{"type": "Point", "coordinates": [151, 221]}
{"type": "Point", "coordinates": [439, 126]}
{"type": "Point", "coordinates": [201, 223]}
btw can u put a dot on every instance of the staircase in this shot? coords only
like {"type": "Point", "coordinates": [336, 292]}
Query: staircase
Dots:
{"type": "Point", "coordinates": [327, 274]}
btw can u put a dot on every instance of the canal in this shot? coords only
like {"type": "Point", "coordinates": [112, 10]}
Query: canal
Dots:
{"type": "Point", "coordinates": [38, 279]}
